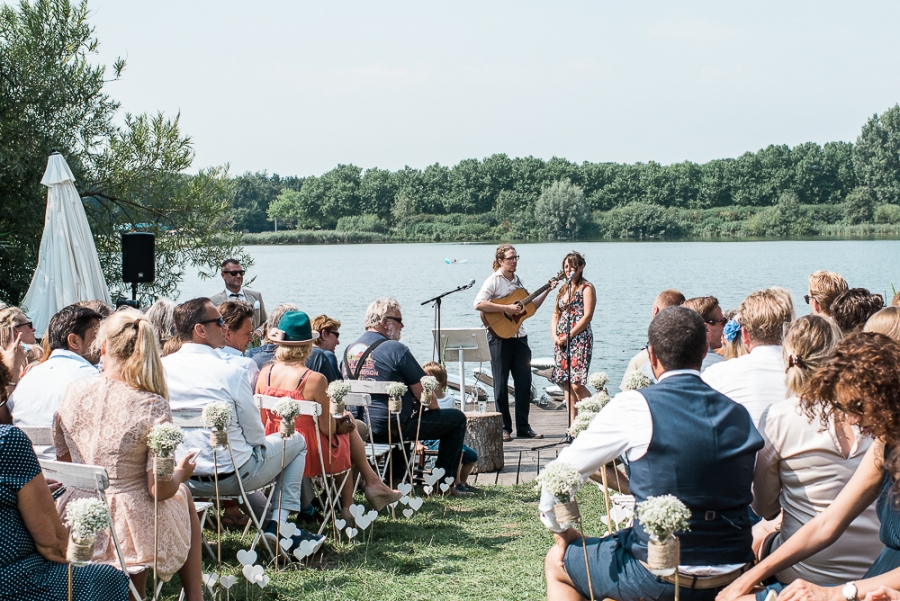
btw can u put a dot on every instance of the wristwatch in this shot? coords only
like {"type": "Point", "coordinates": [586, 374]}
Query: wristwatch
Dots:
{"type": "Point", "coordinates": [850, 592]}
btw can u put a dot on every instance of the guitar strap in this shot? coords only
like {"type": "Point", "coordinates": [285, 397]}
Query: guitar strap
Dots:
{"type": "Point", "coordinates": [354, 375]}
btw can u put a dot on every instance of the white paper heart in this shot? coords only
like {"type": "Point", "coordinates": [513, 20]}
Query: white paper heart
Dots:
{"type": "Point", "coordinates": [372, 514]}
{"type": "Point", "coordinates": [210, 580]}
{"type": "Point", "coordinates": [357, 510]}
{"type": "Point", "coordinates": [408, 513]}
{"type": "Point", "coordinates": [431, 479]}
{"type": "Point", "coordinates": [449, 479]}
{"type": "Point", "coordinates": [251, 572]}
{"type": "Point", "coordinates": [246, 558]}
{"type": "Point", "coordinates": [288, 529]}
{"type": "Point", "coordinates": [351, 532]}
{"type": "Point", "coordinates": [428, 489]}
{"type": "Point", "coordinates": [392, 505]}
{"type": "Point", "coordinates": [404, 500]}
{"type": "Point", "coordinates": [306, 548]}
{"type": "Point", "coordinates": [619, 514]}
{"type": "Point", "coordinates": [439, 473]}
{"type": "Point", "coordinates": [285, 544]}
{"type": "Point", "coordinates": [262, 580]}
{"type": "Point", "coordinates": [416, 503]}
{"type": "Point", "coordinates": [444, 487]}
{"type": "Point", "coordinates": [340, 523]}
{"type": "Point", "coordinates": [405, 488]}
{"type": "Point", "coordinates": [363, 521]}
{"type": "Point", "coordinates": [227, 581]}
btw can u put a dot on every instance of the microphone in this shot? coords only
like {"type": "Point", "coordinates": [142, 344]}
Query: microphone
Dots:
{"type": "Point", "coordinates": [469, 285]}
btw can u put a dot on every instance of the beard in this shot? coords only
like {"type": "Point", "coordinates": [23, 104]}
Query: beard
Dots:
{"type": "Point", "coordinates": [393, 332]}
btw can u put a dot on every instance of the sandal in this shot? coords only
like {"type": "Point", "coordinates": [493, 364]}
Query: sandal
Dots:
{"type": "Point", "coordinates": [234, 521]}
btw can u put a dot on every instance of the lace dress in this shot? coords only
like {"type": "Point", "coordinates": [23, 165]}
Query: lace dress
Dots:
{"type": "Point", "coordinates": [105, 422]}
{"type": "Point", "coordinates": [581, 346]}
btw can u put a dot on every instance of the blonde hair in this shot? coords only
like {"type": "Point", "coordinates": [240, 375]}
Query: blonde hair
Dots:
{"type": "Point", "coordinates": [378, 310]}
{"type": "Point", "coordinates": [825, 286]}
{"type": "Point", "coordinates": [293, 354]}
{"type": "Point", "coordinates": [130, 339]}
{"type": "Point", "coordinates": [161, 315]}
{"type": "Point", "coordinates": [500, 253]}
{"type": "Point", "coordinates": [8, 317]}
{"type": "Point", "coordinates": [764, 313]}
{"type": "Point", "coordinates": [809, 342]}
{"type": "Point", "coordinates": [887, 322]}
{"type": "Point", "coordinates": [734, 348]}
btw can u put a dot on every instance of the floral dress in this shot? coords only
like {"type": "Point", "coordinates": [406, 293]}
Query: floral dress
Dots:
{"type": "Point", "coordinates": [580, 347]}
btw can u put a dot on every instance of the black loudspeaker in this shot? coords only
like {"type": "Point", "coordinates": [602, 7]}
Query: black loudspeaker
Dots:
{"type": "Point", "coordinates": [138, 257]}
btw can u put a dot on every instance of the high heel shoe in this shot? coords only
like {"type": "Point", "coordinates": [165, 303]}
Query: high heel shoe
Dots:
{"type": "Point", "coordinates": [379, 499]}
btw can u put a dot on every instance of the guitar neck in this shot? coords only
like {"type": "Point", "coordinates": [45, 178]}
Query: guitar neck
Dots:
{"type": "Point", "coordinates": [535, 294]}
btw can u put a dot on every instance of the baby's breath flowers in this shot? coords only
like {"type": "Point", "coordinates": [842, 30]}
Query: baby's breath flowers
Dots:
{"type": "Point", "coordinates": [662, 516]}
{"type": "Point", "coordinates": [598, 380]}
{"type": "Point", "coordinates": [581, 423]}
{"type": "Point", "coordinates": [163, 439]}
{"type": "Point", "coordinates": [594, 403]}
{"type": "Point", "coordinates": [287, 409]}
{"type": "Point", "coordinates": [87, 517]}
{"type": "Point", "coordinates": [635, 380]}
{"type": "Point", "coordinates": [560, 479]}
{"type": "Point", "coordinates": [217, 415]}
{"type": "Point", "coordinates": [336, 391]}
{"type": "Point", "coordinates": [395, 391]}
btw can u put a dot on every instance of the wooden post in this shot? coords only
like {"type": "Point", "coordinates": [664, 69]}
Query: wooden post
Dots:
{"type": "Point", "coordinates": [484, 433]}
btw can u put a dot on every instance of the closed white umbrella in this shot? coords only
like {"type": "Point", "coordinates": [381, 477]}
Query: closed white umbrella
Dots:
{"type": "Point", "coordinates": [68, 269]}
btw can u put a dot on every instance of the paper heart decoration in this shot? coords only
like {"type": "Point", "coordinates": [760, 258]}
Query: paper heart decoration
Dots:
{"type": "Point", "coordinates": [416, 503]}
{"type": "Point", "coordinates": [444, 487]}
{"type": "Point", "coordinates": [351, 532]}
{"type": "Point", "coordinates": [262, 580]}
{"type": "Point", "coordinates": [372, 514]}
{"type": "Point", "coordinates": [408, 513]}
{"type": "Point", "coordinates": [405, 488]}
{"type": "Point", "coordinates": [405, 500]}
{"type": "Point", "coordinates": [363, 521]}
{"type": "Point", "coordinates": [357, 510]}
{"type": "Point", "coordinates": [619, 514]}
{"type": "Point", "coordinates": [251, 572]}
{"type": "Point", "coordinates": [392, 505]}
{"type": "Point", "coordinates": [428, 489]}
{"type": "Point", "coordinates": [439, 472]}
{"type": "Point", "coordinates": [288, 529]}
{"type": "Point", "coordinates": [227, 581]}
{"type": "Point", "coordinates": [246, 558]}
{"type": "Point", "coordinates": [285, 544]}
{"type": "Point", "coordinates": [431, 479]}
{"type": "Point", "coordinates": [307, 547]}
{"type": "Point", "coordinates": [449, 479]}
{"type": "Point", "coordinates": [210, 580]}
{"type": "Point", "coordinates": [340, 523]}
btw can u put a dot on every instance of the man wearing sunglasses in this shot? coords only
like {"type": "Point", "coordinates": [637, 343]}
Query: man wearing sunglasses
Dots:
{"type": "Point", "coordinates": [233, 275]}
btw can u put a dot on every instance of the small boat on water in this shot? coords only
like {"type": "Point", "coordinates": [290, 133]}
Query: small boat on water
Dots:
{"type": "Point", "coordinates": [455, 261]}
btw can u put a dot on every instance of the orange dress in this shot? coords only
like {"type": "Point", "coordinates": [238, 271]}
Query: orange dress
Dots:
{"type": "Point", "coordinates": [335, 462]}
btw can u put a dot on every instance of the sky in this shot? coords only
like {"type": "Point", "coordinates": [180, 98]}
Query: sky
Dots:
{"type": "Point", "coordinates": [296, 88]}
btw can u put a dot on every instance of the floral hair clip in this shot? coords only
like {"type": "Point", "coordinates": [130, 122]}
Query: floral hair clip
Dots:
{"type": "Point", "coordinates": [732, 328]}
{"type": "Point", "coordinates": [795, 361]}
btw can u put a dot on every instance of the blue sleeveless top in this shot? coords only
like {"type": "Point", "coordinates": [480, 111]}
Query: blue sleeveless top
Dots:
{"type": "Point", "coordinates": [889, 514]}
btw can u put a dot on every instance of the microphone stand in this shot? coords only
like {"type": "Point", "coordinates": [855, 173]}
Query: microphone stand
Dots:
{"type": "Point", "coordinates": [437, 318]}
{"type": "Point", "coordinates": [569, 386]}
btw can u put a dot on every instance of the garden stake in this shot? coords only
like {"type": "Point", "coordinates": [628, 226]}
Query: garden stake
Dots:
{"type": "Point", "coordinates": [416, 443]}
{"type": "Point", "coordinates": [155, 532]}
{"type": "Point", "coordinates": [218, 517]}
{"type": "Point", "coordinates": [70, 582]}
{"type": "Point", "coordinates": [402, 446]}
{"type": "Point", "coordinates": [609, 529]}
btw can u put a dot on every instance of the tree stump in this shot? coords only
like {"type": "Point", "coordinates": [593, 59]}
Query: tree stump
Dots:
{"type": "Point", "coordinates": [484, 433]}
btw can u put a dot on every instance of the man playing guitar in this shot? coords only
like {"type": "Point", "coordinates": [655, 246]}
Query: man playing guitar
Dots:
{"type": "Point", "coordinates": [509, 354]}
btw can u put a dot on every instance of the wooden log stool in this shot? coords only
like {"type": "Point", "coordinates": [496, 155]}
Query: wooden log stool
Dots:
{"type": "Point", "coordinates": [484, 433]}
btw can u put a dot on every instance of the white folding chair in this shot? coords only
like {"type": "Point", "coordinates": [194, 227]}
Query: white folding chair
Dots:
{"type": "Point", "coordinates": [313, 410]}
{"type": "Point", "coordinates": [40, 437]}
{"type": "Point", "coordinates": [88, 477]}
{"type": "Point", "coordinates": [193, 418]}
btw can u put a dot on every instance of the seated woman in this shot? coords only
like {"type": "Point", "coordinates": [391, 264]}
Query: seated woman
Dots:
{"type": "Point", "coordinates": [288, 376]}
{"type": "Point", "coordinates": [861, 381]}
{"type": "Point", "coordinates": [105, 421]}
{"type": "Point", "coordinates": [33, 554]}
{"type": "Point", "coordinates": [803, 466]}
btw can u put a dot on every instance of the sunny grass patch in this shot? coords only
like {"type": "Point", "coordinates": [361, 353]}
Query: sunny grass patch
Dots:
{"type": "Point", "coordinates": [489, 547]}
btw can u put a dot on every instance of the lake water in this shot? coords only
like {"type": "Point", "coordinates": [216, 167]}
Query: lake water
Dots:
{"type": "Point", "coordinates": [342, 280]}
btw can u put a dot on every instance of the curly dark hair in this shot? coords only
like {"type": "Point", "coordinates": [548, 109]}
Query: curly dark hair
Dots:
{"type": "Point", "coordinates": [862, 378]}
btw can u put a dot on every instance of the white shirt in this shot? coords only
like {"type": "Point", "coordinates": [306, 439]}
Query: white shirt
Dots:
{"type": "Point", "coordinates": [232, 355]}
{"type": "Point", "coordinates": [196, 376]}
{"type": "Point", "coordinates": [497, 286]}
{"type": "Point", "coordinates": [801, 470]}
{"type": "Point", "coordinates": [623, 427]}
{"type": "Point", "coordinates": [448, 401]}
{"type": "Point", "coordinates": [755, 380]}
{"type": "Point", "coordinates": [40, 390]}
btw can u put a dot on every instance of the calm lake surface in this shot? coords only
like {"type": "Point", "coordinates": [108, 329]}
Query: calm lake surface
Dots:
{"type": "Point", "coordinates": [342, 280]}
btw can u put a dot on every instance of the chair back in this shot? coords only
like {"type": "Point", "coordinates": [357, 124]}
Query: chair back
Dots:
{"type": "Point", "coordinates": [368, 386]}
{"type": "Point", "coordinates": [40, 437]}
{"type": "Point", "coordinates": [310, 408]}
{"type": "Point", "coordinates": [188, 418]}
{"type": "Point", "coordinates": [76, 475]}
{"type": "Point", "coordinates": [358, 399]}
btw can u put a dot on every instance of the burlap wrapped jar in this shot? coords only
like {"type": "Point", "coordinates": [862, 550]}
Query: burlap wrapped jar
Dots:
{"type": "Point", "coordinates": [567, 513]}
{"type": "Point", "coordinates": [395, 405]}
{"type": "Point", "coordinates": [287, 428]}
{"type": "Point", "coordinates": [164, 467]}
{"type": "Point", "coordinates": [338, 407]}
{"type": "Point", "coordinates": [80, 550]}
{"type": "Point", "coordinates": [218, 438]}
{"type": "Point", "coordinates": [663, 557]}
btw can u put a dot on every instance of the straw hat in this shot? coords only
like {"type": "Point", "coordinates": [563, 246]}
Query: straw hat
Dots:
{"type": "Point", "coordinates": [294, 329]}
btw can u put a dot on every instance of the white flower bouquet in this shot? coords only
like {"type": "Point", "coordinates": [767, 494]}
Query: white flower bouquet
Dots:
{"type": "Point", "coordinates": [598, 380]}
{"type": "Point", "coordinates": [635, 380]}
{"type": "Point", "coordinates": [581, 422]}
{"type": "Point", "coordinates": [429, 386]}
{"type": "Point", "coordinates": [395, 392]}
{"type": "Point", "coordinates": [336, 391]}
{"type": "Point", "coordinates": [163, 439]}
{"type": "Point", "coordinates": [562, 479]}
{"type": "Point", "coordinates": [593, 403]}
{"type": "Point", "coordinates": [287, 409]}
{"type": "Point", "coordinates": [217, 416]}
{"type": "Point", "coordinates": [662, 517]}
{"type": "Point", "coordinates": [85, 518]}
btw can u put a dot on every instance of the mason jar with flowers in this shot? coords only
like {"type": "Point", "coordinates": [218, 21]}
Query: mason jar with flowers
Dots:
{"type": "Point", "coordinates": [85, 519]}
{"type": "Point", "coordinates": [661, 517]}
{"type": "Point", "coordinates": [163, 439]}
{"type": "Point", "coordinates": [216, 416]}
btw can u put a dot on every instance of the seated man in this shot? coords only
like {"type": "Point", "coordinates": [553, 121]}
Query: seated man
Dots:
{"type": "Point", "coordinates": [70, 335]}
{"type": "Point", "coordinates": [641, 361]}
{"type": "Point", "coordinates": [680, 438]}
{"type": "Point", "coordinates": [379, 355]}
{"type": "Point", "coordinates": [196, 376]}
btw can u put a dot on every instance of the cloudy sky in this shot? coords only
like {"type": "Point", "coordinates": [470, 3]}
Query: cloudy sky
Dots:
{"type": "Point", "coordinates": [296, 88]}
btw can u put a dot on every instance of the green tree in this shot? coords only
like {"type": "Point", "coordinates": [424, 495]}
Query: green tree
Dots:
{"type": "Point", "coordinates": [860, 205]}
{"type": "Point", "coordinates": [876, 156]}
{"type": "Point", "coordinates": [285, 208]}
{"type": "Point", "coordinates": [561, 212]}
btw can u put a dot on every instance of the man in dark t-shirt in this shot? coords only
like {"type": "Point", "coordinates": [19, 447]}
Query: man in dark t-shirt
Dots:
{"type": "Point", "coordinates": [386, 359]}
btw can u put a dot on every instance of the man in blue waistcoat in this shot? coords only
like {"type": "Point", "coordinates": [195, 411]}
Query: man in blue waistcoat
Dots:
{"type": "Point", "coordinates": [679, 437]}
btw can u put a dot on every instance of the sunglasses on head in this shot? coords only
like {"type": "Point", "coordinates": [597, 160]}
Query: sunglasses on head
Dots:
{"type": "Point", "coordinates": [236, 272]}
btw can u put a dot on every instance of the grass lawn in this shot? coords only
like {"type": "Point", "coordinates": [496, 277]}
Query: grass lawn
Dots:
{"type": "Point", "coordinates": [486, 547]}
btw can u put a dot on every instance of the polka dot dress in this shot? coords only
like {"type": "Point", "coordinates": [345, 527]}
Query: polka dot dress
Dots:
{"type": "Point", "coordinates": [24, 574]}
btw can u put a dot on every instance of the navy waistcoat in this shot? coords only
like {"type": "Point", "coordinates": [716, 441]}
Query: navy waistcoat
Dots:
{"type": "Point", "coordinates": [702, 451]}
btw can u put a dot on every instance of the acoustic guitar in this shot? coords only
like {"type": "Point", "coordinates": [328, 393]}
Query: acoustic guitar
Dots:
{"type": "Point", "coordinates": [506, 325]}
